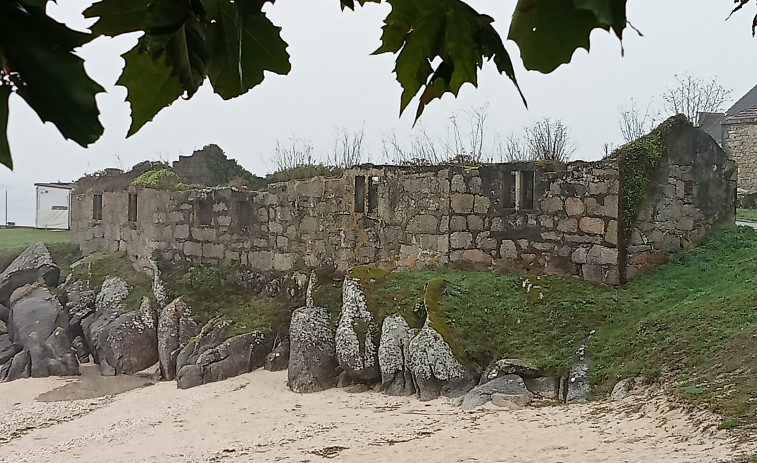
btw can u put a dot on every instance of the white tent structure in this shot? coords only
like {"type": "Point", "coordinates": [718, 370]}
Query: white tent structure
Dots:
{"type": "Point", "coordinates": [53, 205]}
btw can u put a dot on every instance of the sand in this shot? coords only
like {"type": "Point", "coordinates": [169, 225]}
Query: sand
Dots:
{"type": "Point", "coordinates": [254, 417]}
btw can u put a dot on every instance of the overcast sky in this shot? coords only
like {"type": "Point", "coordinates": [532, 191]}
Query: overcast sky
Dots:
{"type": "Point", "coordinates": [335, 82]}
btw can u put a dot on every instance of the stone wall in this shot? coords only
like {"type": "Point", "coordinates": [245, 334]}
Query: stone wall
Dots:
{"type": "Point", "coordinates": [740, 142]}
{"type": "Point", "coordinates": [532, 216]}
{"type": "Point", "coordinates": [690, 195]}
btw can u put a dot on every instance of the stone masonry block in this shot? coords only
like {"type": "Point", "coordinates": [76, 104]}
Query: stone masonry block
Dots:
{"type": "Point", "coordinates": [458, 183]}
{"type": "Point", "coordinates": [460, 240]}
{"type": "Point", "coordinates": [212, 250]}
{"type": "Point", "coordinates": [283, 262]}
{"type": "Point", "coordinates": [574, 206]}
{"type": "Point", "coordinates": [508, 250]}
{"type": "Point", "coordinates": [611, 206]}
{"type": "Point", "coordinates": [462, 203]}
{"type": "Point", "coordinates": [475, 223]}
{"type": "Point", "coordinates": [551, 205]}
{"type": "Point", "coordinates": [192, 248]}
{"type": "Point", "coordinates": [422, 224]}
{"type": "Point", "coordinates": [261, 260]}
{"type": "Point", "coordinates": [181, 232]}
{"type": "Point", "coordinates": [481, 204]}
{"type": "Point", "coordinates": [567, 225]}
{"type": "Point", "coordinates": [592, 225]}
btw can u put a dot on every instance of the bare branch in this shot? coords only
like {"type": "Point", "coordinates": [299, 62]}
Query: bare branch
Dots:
{"type": "Point", "coordinates": [693, 95]}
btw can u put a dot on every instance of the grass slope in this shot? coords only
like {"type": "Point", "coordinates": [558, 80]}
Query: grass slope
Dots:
{"type": "Point", "coordinates": [692, 321]}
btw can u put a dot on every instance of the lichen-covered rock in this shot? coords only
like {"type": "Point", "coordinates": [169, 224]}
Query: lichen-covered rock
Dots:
{"type": "Point", "coordinates": [80, 301]}
{"type": "Point", "coordinates": [175, 329]}
{"type": "Point", "coordinates": [544, 386]}
{"type": "Point", "coordinates": [278, 358]}
{"type": "Point", "coordinates": [51, 357]}
{"type": "Point", "coordinates": [312, 281]}
{"type": "Point", "coordinates": [579, 387]}
{"type": "Point", "coordinates": [34, 309]}
{"type": "Point", "coordinates": [506, 367]}
{"type": "Point", "coordinates": [108, 303]}
{"type": "Point", "coordinates": [129, 343]}
{"type": "Point", "coordinates": [393, 354]}
{"type": "Point", "coordinates": [508, 387]}
{"type": "Point", "coordinates": [211, 335]}
{"type": "Point", "coordinates": [33, 265]}
{"type": "Point", "coordinates": [7, 349]}
{"type": "Point", "coordinates": [121, 343]}
{"type": "Point", "coordinates": [621, 389]}
{"type": "Point", "coordinates": [356, 350]}
{"type": "Point", "coordinates": [158, 288]}
{"type": "Point", "coordinates": [312, 354]}
{"type": "Point", "coordinates": [436, 371]}
{"type": "Point", "coordinates": [81, 349]}
{"type": "Point", "coordinates": [4, 313]}
{"type": "Point", "coordinates": [235, 356]}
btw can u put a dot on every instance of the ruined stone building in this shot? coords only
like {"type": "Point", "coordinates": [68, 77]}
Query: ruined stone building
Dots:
{"type": "Point", "coordinates": [566, 219]}
{"type": "Point", "coordinates": [736, 131]}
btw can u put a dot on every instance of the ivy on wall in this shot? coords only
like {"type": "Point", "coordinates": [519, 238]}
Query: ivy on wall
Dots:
{"type": "Point", "coordinates": [637, 161]}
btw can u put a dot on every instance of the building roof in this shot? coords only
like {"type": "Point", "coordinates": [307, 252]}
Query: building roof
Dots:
{"type": "Point", "coordinates": [748, 113]}
{"type": "Point", "coordinates": [65, 186]}
{"type": "Point", "coordinates": [747, 101]}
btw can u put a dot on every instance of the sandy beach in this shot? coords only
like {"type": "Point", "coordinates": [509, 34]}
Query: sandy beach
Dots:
{"type": "Point", "coordinates": [254, 417]}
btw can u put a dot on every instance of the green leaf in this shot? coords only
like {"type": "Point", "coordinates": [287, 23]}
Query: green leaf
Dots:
{"type": "Point", "coordinates": [422, 31]}
{"type": "Point", "coordinates": [150, 84]}
{"type": "Point", "coordinates": [243, 44]}
{"type": "Point", "coordinates": [118, 16]}
{"type": "Point", "coordinates": [178, 27]}
{"type": "Point", "coordinates": [351, 3]}
{"type": "Point", "coordinates": [39, 60]}
{"type": "Point", "coordinates": [549, 31]}
{"type": "Point", "coordinates": [5, 151]}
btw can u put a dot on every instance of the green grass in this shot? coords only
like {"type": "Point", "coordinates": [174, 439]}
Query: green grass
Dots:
{"type": "Point", "coordinates": [691, 321]}
{"type": "Point", "coordinates": [207, 293]}
{"type": "Point", "coordinates": [14, 240]}
{"type": "Point", "coordinates": [747, 215]}
{"type": "Point", "coordinates": [100, 265]}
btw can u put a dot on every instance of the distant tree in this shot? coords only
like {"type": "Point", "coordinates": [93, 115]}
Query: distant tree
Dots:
{"type": "Point", "coordinates": [544, 140]}
{"type": "Point", "coordinates": [634, 123]}
{"type": "Point", "coordinates": [692, 95]}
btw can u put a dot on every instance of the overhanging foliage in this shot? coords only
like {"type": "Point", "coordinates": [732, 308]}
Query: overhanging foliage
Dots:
{"type": "Point", "coordinates": [439, 45]}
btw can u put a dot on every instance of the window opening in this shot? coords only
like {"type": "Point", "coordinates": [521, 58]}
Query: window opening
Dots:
{"type": "Point", "coordinates": [244, 214]}
{"type": "Point", "coordinates": [359, 193]}
{"type": "Point", "coordinates": [132, 207]}
{"type": "Point", "coordinates": [97, 206]}
{"type": "Point", "coordinates": [527, 190]}
{"type": "Point", "coordinates": [203, 212]}
{"type": "Point", "coordinates": [373, 194]}
{"type": "Point", "coordinates": [508, 190]}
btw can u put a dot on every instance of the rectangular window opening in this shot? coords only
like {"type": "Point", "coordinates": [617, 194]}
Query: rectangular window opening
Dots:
{"type": "Point", "coordinates": [132, 207]}
{"type": "Point", "coordinates": [359, 193]}
{"type": "Point", "coordinates": [373, 194]}
{"type": "Point", "coordinates": [508, 190]}
{"type": "Point", "coordinates": [527, 190]}
{"type": "Point", "coordinates": [244, 214]}
{"type": "Point", "coordinates": [97, 206]}
{"type": "Point", "coordinates": [203, 212]}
